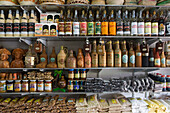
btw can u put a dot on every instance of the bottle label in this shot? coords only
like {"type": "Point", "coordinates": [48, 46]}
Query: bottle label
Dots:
{"type": "Point", "coordinates": [163, 61]}
{"type": "Point", "coordinates": [125, 59]}
{"type": "Point", "coordinates": [147, 28]}
{"type": "Point", "coordinates": [77, 75]}
{"type": "Point", "coordinates": [31, 28]}
{"type": "Point", "coordinates": [48, 86]}
{"type": "Point", "coordinates": [61, 28]}
{"type": "Point", "coordinates": [83, 28]}
{"type": "Point", "coordinates": [117, 59]}
{"type": "Point", "coordinates": [10, 86]}
{"type": "Point", "coordinates": [167, 84]}
{"type": "Point", "coordinates": [157, 62]}
{"type": "Point", "coordinates": [83, 75]}
{"type": "Point", "coordinates": [24, 28]}
{"type": "Point", "coordinates": [102, 60]}
{"type": "Point", "coordinates": [110, 59]}
{"type": "Point", "coordinates": [164, 85]}
{"type": "Point", "coordinates": [141, 28]}
{"type": "Point", "coordinates": [90, 28]}
{"type": "Point", "coordinates": [94, 60]}
{"type": "Point", "coordinates": [71, 75]}
{"type": "Point", "coordinates": [168, 62]}
{"type": "Point", "coordinates": [43, 59]}
{"type": "Point", "coordinates": [112, 28]}
{"type": "Point", "coordinates": [161, 29]}
{"type": "Point", "coordinates": [138, 54]}
{"type": "Point", "coordinates": [155, 28]}
{"type": "Point", "coordinates": [68, 28]}
{"type": "Point", "coordinates": [97, 28]}
{"type": "Point", "coordinates": [16, 27]}
{"type": "Point", "coordinates": [76, 87]}
{"type": "Point", "coordinates": [17, 87]}
{"type": "Point", "coordinates": [119, 29]}
{"type": "Point", "coordinates": [9, 28]}
{"type": "Point", "coordinates": [168, 28]}
{"type": "Point", "coordinates": [41, 86]}
{"type": "Point", "coordinates": [151, 59]}
{"type": "Point", "coordinates": [104, 28]}
{"type": "Point", "coordinates": [70, 87]}
{"type": "Point", "coordinates": [52, 59]}
{"type": "Point", "coordinates": [2, 28]}
{"type": "Point", "coordinates": [132, 59]}
{"type": "Point", "coordinates": [76, 28]}
{"type": "Point", "coordinates": [134, 28]}
{"type": "Point", "coordinates": [87, 62]}
{"type": "Point", "coordinates": [126, 29]}
{"type": "Point", "coordinates": [29, 61]}
{"type": "Point", "coordinates": [25, 87]}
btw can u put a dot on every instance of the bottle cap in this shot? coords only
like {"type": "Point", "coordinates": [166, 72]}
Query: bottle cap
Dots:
{"type": "Point", "coordinates": [71, 70]}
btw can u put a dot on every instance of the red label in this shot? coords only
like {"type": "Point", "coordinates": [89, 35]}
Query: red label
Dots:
{"type": "Point", "coordinates": [83, 27]}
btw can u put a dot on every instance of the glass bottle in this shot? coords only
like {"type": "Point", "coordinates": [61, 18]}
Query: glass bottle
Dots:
{"type": "Point", "coordinates": [2, 24]}
{"type": "Point", "coordinates": [145, 54]}
{"type": "Point", "coordinates": [110, 55]}
{"type": "Point", "coordinates": [151, 57]}
{"type": "Point", "coordinates": [154, 24]}
{"type": "Point", "coordinates": [76, 24]}
{"type": "Point", "coordinates": [147, 24]}
{"type": "Point", "coordinates": [68, 24]}
{"type": "Point", "coordinates": [119, 24]}
{"type": "Point", "coordinates": [8, 25]}
{"type": "Point", "coordinates": [134, 24]}
{"type": "Point", "coordinates": [163, 59]}
{"type": "Point", "coordinates": [167, 25]}
{"type": "Point", "coordinates": [157, 60]}
{"type": "Point", "coordinates": [53, 56]}
{"type": "Point", "coordinates": [87, 60]}
{"type": "Point", "coordinates": [131, 56]}
{"type": "Point", "coordinates": [90, 24]}
{"type": "Point", "coordinates": [61, 58]}
{"type": "Point", "coordinates": [61, 24]}
{"type": "Point", "coordinates": [17, 24]}
{"type": "Point", "coordinates": [94, 55]}
{"type": "Point", "coordinates": [24, 27]}
{"type": "Point", "coordinates": [124, 55]}
{"type": "Point", "coordinates": [126, 25]}
{"type": "Point", "coordinates": [97, 27]}
{"type": "Point", "coordinates": [83, 24]}
{"type": "Point", "coordinates": [71, 60]}
{"type": "Point", "coordinates": [31, 27]}
{"type": "Point", "coordinates": [80, 59]}
{"type": "Point", "coordinates": [159, 46]}
{"type": "Point", "coordinates": [168, 60]}
{"type": "Point", "coordinates": [161, 24]}
{"type": "Point", "coordinates": [43, 56]}
{"type": "Point", "coordinates": [138, 56]}
{"type": "Point", "coordinates": [102, 55]}
{"type": "Point", "coordinates": [117, 55]}
{"type": "Point", "coordinates": [87, 46]}
{"type": "Point", "coordinates": [141, 25]}
{"type": "Point", "coordinates": [104, 24]}
{"type": "Point", "coordinates": [29, 58]}
{"type": "Point", "coordinates": [112, 24]}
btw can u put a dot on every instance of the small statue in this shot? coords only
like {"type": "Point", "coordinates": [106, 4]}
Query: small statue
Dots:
{"type": "Point", "coordinates": [18, 62]}
{"type": "Point", "coordinates": [4, 58]}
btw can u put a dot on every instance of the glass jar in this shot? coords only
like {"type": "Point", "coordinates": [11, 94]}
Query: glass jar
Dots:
{"type": "Point", "coordinates": [70, 86]}
{"type": "Point", "coordinates": [15, 76]}
{"type": "Point", "coordinates": [25, 85]}
{"type": "Point", "coordinates": [77, 74]}
{"type": "Point", "coordinates": [71, 74]}
{"type": "Point", "coordinates": [10, 86]}
{"type": "Point", "coordinates": [48, 86]}
{"type": "Point", "coordinates": [2, 86]}
{"type": "Point", "coordinates": [17, 86]}
{"type": "Point", "coordinates": [40, 85]}
{"type": "Point", "coordinates": [33, 86]}
{"type": "Point", "coordinates": [83, 74]}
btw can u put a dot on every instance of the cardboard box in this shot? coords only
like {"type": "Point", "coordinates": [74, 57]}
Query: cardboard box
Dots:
{"type": "Point", "coordinates": [49, 17]}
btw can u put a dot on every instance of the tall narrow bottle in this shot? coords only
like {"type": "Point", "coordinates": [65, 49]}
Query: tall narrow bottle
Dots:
{"type": "Point", "coordinates": [154, 24]}
{"type": "Point", "coordinates": [102, 57]}
{"type": "Point", "coordinates": [131, 56]}
{"type": "Point", "coordinates": [110, 55]}
{"type": "Point", "coordinates": [145, 54]}
{"type": "Point", "coordinates": [87, 60]}
{"type": "Point", "coordinates": [141, 25]}
{"type": "Point", "coordinates": [147, 24]}
{"type": "Point", "coordinates": [61, 24]}
{"type": "Point", "coordinates": [68, 24]}
{"type": "Point", "coordinates": [105, 24]}
{"type": "Point", "coordinates": [17, 24]}
{"type": "Point", "coordinates": [90, 24]}
{"type": "Point", "coordinates": [112, 24]}
{"type": "Point", "coordinates": [29, 58]}
{"type": "Point", "coordinates": [31, 27]}
{"type": "Point", "coordinates": [80, 59]}
{"type": "Point", "coordinates": [126, 25]}
{"type": "Point", "coordinates": [134, 24]}
{"type": "Point", "coordinates": [117, 55]}
{"type": "Point", "coordinates": [97, 27]}
{"type": "Point", "coordinates": [94, 55]}
{"type": "Point", "coordinates": [161, 24]}
{"type": "Point", "coordinates": [76, 24]}
{"type": "Point", "coordinates": [151, 57]}
{"type": "Point", "coordinates": [157, 60]}
{"type": "Point", "coordinates": [61, 58]}
{"type": "Point", "coordinates": [87, 46]}
{"type": "Point", "coordinates": [71, 60]}
{"type": "Point", "coordinates": [53, 56]}
{"type": "Point", "coordinates": [43, 56]}
{"type": "Point", "coordinates": [83, 24]}
{"type": "Point", "coordinates": [24, 27]}
{"type": "Point", "coordinates": [119, 24]}
{"type": "Point", "coordinates": [2, 24]}
{"type": "Point", "coordinates": [9, 22]}
{"type": "Point", "coordinates": [124, 55]}
{"type": "Point", "coordinates": [163, 60]}
{"type": "Point", "coordinates": [159, 46]}
{"type": "Point", "coordinates": [138, 56]}
{"type": "Point", "coordinates": [167, 25]}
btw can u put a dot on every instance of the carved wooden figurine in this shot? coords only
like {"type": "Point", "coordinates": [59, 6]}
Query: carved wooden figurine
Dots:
{"type": "Point", "coordinates": [18, 62]}
{"type": "Point", "coordinates": [4, 58]}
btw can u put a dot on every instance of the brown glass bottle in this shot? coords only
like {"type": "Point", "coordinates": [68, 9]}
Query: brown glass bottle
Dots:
{"type": "Point", "coordinates": [110, 55]}
{"type": "Point", "coordinates": [87, 46]}
{"type": "Point", "coordinates": [157, 60]}
{"type": "Point", "coordinates": [124, 55]}
{"type": "Point", "coordinates": [53, 56]}
{"type": "Point", "coordinates": [80, 59]}
{"type": "Point", "coordinates": [117, 55]}
{"type": "Point", "coordinates": [102, 57]}
{"type": "Point", "coordinates": [145, 54]}
{"type": "Point", "coordinates": [159, 46]}
{"type": "Point", "coordinates": [68, 24]}
{"type": "Point", "coordinates": [71, 61]}
{"type": "Point", "coordinates": [94, 55]}
{"type": "Point", "coordinates": [61, 24]}
{"type": "Point", "coordinates": [138, 56]}
{"type": "Point", "coordinates": [43, 56]}
{"type": "Point", "coordinates": [112, 24]}
{"type": "Point", "coordinates": [38, 47]}
{"type": "Point", "coordinates": [104, 24]}
{"type": "Point", "coordinates": [131, 56]}
{"type": "Point", "coordinates": [24, 25]}
{"type": "Point", "coordinates": [163, 60]}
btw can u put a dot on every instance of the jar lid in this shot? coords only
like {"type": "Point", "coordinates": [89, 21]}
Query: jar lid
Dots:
{"type": "Point", "coordinates": [3, 81]}
{"type": "Point", "coordinates": [71, 69]}
{"type": "Point", "coordinates": [25, 80]}
{"type": "Point", "coordinates": [41, 80]}
{"type": "Point", "coordinates": [83, 69]}
{"type": "Point", "coordinates": [10, 80]}
{"type": "Point", "coordinates": [33, 80]}
{"type": "Point", "coordinates": [48, 80]}
{"type": "Point", "coordinates": [168, 75]}
{"type": "Point", "coordinates": [17, 80]}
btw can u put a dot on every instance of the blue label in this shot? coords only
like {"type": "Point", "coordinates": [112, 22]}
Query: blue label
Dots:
{"type": "Point", "coordinates": [52, 59]}
{"type": "Point", "coordinates": [132, 59]}
{"type": "Point", "coordinates": [42, 59]}
{"type": "Point", "coordinates": [163, 60]}
{"type": "Point", "coordinates": [125, 59]}
{"type": "Point", "coordinates": [151, 59]}
{"type": "Point", "coordinates": [138, 54]}
{"type": "Point", "coordinates": [76, 87]}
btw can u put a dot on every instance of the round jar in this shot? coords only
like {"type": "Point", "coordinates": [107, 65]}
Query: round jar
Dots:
{"type": "Point", "coordinates": [40, 85]}
{"type": "Point", "coordinates": [33, 86]}
{"type": "Point", "coordinates": [10, 86]}
{"type": "Point", "coordinates": [25, 85]}
{"type": "Point", "coordinates": [17, 86]}
{"type": "Point", "coordinates": [48, 86]}
{"type": "Point", "coordinates": [77, 74]}
{"type": "Point", "coordinates": [71, 74]}
{"type": "Point", "coordinates": [83, 74]}
{"type": "Point", "coordinates": [2, 86]}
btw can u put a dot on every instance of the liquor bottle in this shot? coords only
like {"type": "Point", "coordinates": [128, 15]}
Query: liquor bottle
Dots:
{"type": "Point", "coordinates": [119, 24]}
{"type": "Point", "coordinates": [134, 24]}
{"type": "Point", "coordinates": [87, 60]}
{"type": "Point", "coordinates": [2, 24]}
{"type": "Point", "coordinates": [38, 47]}
{"type": "Point", "coordinates": [159, 46]}
{"type": "Point", "coordinates": [9, 23]}
{"type": "Point", "coordinates": [163, 60]}
{"type": "Point", "coordinates": [76, 24]}
{"type": "Point", "coordinates": [138, 56]}
{"type": "Point", "coordinates": [154, 24]}
{"type": "Point", "coordinates": [110, 55]}
{"type": "Point", "coordinates": [167, 25]}
{"type": "Point", "coordinates": [53, 56]}
{"type": "Point", "coordinates": [35, 17]}
{"type": "Point", "coordinates": [167, 48]}
{"type": "Point", "coordinates": [102, 57]}
{"type": "Point", "coordinates": [83, 24]}
{"type": "Point", "coordinates": [24, 27]}
{"type": "Point", "coordinates": [43, 56]}
{"type": "Point", "coordinates": [161, 24]}
{"type": "Point", "coordinates": [151, 57]}
{"type": "Point", "coordinates": [124, 55]}
{"type": "Point", "coordinates": [101, 47]}
{"type": "Point", "coordinates": [71, 60]}
{"type": "Point", "coordinates": [141, 25]}
{"type": "Point", "coordinates": [97, 27]}
{"type": "Point", "coordinates": [68, 24]}
{"type": "Point", "coordinates": [126, 25]}
{"type": "Point", "coordinates": [80, 59]}
{"type": "Point", "coordinates": [168, 60]}
{"type": "Point", "coordinates": [157, 60]}
{"type": "Point", "coordinates": [90, 24]}
{"type": "Point", "coordinates": [61, 58]}
{"type": "Point", "coordinates": [117, 55]}
{"type": "Point", "coordinates": [61, 24]}
{"type": "Point", "coordinates": [87, 46]}
{"type": "Point", "coordinates": [147, 24]}
{"type": "Point", "coordinates": [112, 24]}
{"type": "Point", "coordinates": [104, 24]}
{"type": "Point", "coordinates": [29, 58]}
{"type": "Point", "coordinates": [17, 24]}
{"type": "Point", "coordinates": [31, 27]}
{"type": "Point", "coordinates": [145, 54]}
{"type": "Point", "coordinates": [94, 55]}
{"type": "Point", "coordinates": [131, 56]}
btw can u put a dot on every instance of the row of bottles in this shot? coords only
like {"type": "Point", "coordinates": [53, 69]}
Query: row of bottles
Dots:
{"type": "Point", "coordinates": [17, 25]}
{"type": "Point", "coordinates": [130, 24]}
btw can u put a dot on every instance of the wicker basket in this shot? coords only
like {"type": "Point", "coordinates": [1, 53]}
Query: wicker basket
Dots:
{"type": "Point", "coordinates": [147, 2]}
{"type": "Point", "coordinates": [8, 2]}
{"type": "Point", "coordinates": [98, 2]}
{"type": "Point", "coordinates": [115, 2]}
{"type": "Point", "coordinates": [77, 1]}
{"type": "Point", "coordinates": [28, 2]}
{"type": "Point", "coordinates": [51, 1]}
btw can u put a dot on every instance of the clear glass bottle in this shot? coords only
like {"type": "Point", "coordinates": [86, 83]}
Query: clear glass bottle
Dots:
{"type": "Point", "coordinates": [124, 55]}
{"type": "Point", "coordinates": [167, 25]}
{"type": "Point", "coordinates": [24, 26]}
{"type": "Point", "coordinates": [147, 24]}
{"type": "Point", "coordinates": [83, 24]}
{"type": "Point", "coordinates": [9, 22]}
{"type": "Point", "coordinates": [141, 25]}
{"type": "Point", "coordinates": [31, 23]}
{"type": "Point", "coordinates": [76, 24]}
{"type": "Point", "coordinates": [119, 24]}
{"type": "Point", "coordinates": [29, 58]}
{"type": "Point", "coordinates": [126, 25]}
{"type": "Point", "coordinates": [17, 24]}
{"type": "Point", "coordinates": [2, 24]}
{"type": "Point", "coordinates": [134, 24]}
{"type": "Point", "coordinates": [117, 55]}
{"type": "Point", "coordinates": [131, 56]}
{"type": "Point", "coordinates": [94, 55]}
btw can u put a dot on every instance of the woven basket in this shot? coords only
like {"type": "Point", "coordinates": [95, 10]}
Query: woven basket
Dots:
{"type": "Point", "coordinates": [98, 2]}
{"type": "Point", "coordinates": [8, 2]}
{"type": "Point", "coordinates": [77, 1]}
{"type": "Point", "coordinates": [28, 2]}
{"type": "Point", "coordinates": [51, 1]}
{"type": "Point", "coordinates": [147, 2]}
{"type": "Point", "coordinates": [115, 2]}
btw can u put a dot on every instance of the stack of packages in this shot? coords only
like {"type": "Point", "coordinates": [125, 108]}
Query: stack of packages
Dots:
{"type": "Point", "coordinates": [126, 105]}
{"type": "Point", "coordinates": [114, 106]}
{"type": "Point", "coordinates": [93, 104]}
{"type": "Point", "coordinates": [151, 106]}
{"type": "Point", "coordinates": [81, 105]}
{"type": "Point", "coordinates": [135, 105]}
{"type": "Point", "coordinates": [71, 105]}
{"type": "Point", "coordinates": [104, 107]}
{"type": "Point", "coordinates": [142, 105]}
